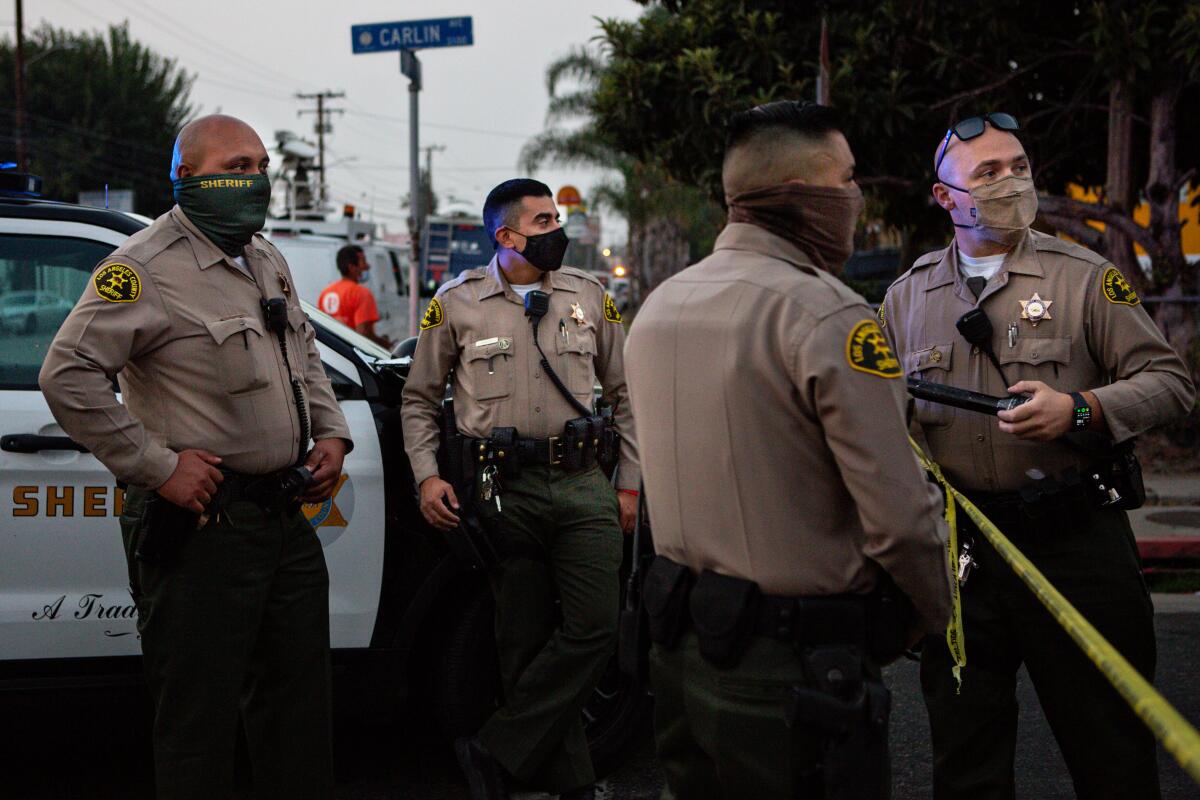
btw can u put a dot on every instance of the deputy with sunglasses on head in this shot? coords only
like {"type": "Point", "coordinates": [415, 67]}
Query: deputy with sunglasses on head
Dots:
{"type": "Point", "coordinates": [1005, 309]}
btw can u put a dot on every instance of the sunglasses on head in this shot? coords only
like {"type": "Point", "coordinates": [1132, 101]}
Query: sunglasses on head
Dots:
{"type": "Point", "coordinates": [973, 127]}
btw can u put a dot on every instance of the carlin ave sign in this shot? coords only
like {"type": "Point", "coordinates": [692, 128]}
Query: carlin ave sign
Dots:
{"type": "Point", "coordinates": [420, 34]}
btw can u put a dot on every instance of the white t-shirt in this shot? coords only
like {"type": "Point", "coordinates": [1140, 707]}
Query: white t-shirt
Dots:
{"type": "Point", "coordinates": [523, 289]}
{"type": "Point", "coordinates": [984, 267]}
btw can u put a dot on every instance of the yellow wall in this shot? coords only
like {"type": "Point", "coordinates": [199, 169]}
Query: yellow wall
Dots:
{"type": "Point", "coordinates": [1189, 213]}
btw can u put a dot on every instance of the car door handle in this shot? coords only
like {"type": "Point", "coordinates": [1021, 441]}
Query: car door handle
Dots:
{"type": "Point", "coordinates": [32, 443]}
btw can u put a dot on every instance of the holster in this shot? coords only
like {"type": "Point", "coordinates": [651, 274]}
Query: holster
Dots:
{"type": "Point", "coordinates": [665, 593]}
{"type": "Point", "coordinates": [724, 614]}
{"type": "Point", "coordinates": [850, 713]}
{"type": "Point", "coordinates": [162, 529]}
{"type": "Point", "coordinates": [609, 452]}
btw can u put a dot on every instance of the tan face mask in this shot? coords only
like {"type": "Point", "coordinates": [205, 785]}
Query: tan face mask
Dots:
{"type": "Point", "coordinates": [820, 220]}
{"type": "Point", "coordinates": [1004, 209]}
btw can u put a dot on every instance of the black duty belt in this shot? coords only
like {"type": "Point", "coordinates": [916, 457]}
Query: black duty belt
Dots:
{"type": "Point", "coordinates": [813, 620]}
{"type": "Point", "coordinates": [262, 490]}
{"type": "Point", "coordinates": [526, 451]}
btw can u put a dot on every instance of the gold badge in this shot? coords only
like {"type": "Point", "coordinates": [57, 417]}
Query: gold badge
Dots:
{"type": "Point", "coordinates": [1117, 290]}
{"type": "Point", "coordinates": [1035, 309]}
{"type": "Point", "coordinates": [867, 350]}
{"type": "Point", "coordinates": [118, 283]}
{"type": "Point", "coordinates": [882, 317]}
{"type": "Point", "coordinates": [577, 314]}
{"type": "Point", "coordinates": [433, 315]}
{"type": "Point", "coordinates": [611, 312]}
{"type": "Point", "coordinates": [283, 284]}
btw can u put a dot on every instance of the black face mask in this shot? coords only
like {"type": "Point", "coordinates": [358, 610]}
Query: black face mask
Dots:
{"type": "Point", "coordinates": [546, 250]}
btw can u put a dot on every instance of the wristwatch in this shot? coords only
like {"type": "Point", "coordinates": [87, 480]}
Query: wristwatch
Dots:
{"type": "Point", "coordinates": [1082, 412]}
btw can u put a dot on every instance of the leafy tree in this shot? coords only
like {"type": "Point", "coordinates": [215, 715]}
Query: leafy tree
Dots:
{"type": "Point", "coordinates": [670, 222]}
{"type": "Point", "coordinates": [101, 109]}
{"type": "Point", "coordinates": [1106, 92]}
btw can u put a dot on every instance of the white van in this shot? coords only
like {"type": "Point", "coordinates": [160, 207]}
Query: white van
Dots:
{"type": "Point", "coordinates": [313, 261]}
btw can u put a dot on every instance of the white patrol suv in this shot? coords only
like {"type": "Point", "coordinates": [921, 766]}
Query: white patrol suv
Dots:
{"type": "Point", "coordinates": [407, 619]}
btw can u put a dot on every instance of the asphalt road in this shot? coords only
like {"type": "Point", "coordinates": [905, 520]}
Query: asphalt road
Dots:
{"type": "Point", "coordinates": [95, 745]}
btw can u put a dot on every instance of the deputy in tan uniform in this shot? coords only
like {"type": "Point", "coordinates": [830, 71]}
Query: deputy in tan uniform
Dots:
{"type": "Point", "coordinates": [228, 576]}
{"type": "Point", "coordinates": [1069, 331]}
{"type": "Point", "coordinates": [782, 491]}
{"type": "Point", "coordinates": [557, 521]}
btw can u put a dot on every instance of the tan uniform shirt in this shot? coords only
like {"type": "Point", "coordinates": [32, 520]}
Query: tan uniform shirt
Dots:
{"type": "Point", "coordinates": [182, 329]}
{"type": "Point", "coordinates": [771, 422]}
{"type": "Point", "coordinates": [1094, 336]}
{"type": "Point", "coordinates": [476, 328]}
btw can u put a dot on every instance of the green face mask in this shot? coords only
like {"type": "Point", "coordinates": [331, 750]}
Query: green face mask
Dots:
{"type": "Point", "coordinates": [229, 208]}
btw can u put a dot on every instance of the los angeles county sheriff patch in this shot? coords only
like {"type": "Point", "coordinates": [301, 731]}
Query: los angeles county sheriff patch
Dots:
{"type": "Point", "coordinates": [867, 350]}
{"type": "Point", "coordinates": [1118, 290]}
{"type": "Point", "coordinates": [611, 312]}
{"type": "Point", "coordinates": [433, 315]}
{"type": "Point", "coordinates": [118, 283]}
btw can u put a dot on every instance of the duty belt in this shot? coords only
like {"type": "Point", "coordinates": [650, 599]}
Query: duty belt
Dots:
{"type": "Point", "coordinates": [265, 491]}
{"type": "Point", "coordinates": [524, 451]}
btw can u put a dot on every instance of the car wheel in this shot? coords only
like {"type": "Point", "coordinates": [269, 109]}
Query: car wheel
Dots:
{"type": "Point", "coordinates": [30, 325]}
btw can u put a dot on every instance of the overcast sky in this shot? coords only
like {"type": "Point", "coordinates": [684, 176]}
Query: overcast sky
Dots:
{"type": "Point", "coordinates": [482, 102]}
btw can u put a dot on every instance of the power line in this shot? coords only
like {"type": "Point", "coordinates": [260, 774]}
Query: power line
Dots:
{"type": "Point", "coordinates": [322, 127]}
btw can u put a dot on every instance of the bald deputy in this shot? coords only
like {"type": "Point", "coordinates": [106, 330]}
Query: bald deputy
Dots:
{"type": "Point", "coordinates": [223, 388]}
{"type": "Point", "coordinates": [786, 504]}
{"type": "Point", "coordinates": [1052, 320]}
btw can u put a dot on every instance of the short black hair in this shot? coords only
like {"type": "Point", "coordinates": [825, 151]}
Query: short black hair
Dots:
{"type": "Point", "coordinates": [347, 256]}
{"type": "Point", "coordinates": [800, 116]}
{"type": "Point", "coordinates": [502, 201]}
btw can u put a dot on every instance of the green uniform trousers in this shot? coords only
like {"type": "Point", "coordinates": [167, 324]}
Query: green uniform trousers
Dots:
{"type": "Point", "coordinates": [722, 734]}
{"type": "Point", "coordinates": [236, 619]}
{"type": "Point", "coordinates": [1089, 554]}
{"type": "Point", "coordinates": [561, 537]}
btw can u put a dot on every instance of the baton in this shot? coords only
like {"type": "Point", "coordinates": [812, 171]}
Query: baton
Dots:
{"type": "Point", "coordinates": [962, 398]}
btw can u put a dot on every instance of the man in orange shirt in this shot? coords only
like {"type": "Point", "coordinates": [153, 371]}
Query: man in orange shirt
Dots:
{"type": "Point", "coordinates": [348, 300]}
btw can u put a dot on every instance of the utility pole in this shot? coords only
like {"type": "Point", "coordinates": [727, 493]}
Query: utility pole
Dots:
{"type": "Point", "coordinates": [410, 67]}
{"type": "Point", "coordinates": [19, 88]}
{"type": "Point", "coordinates": [429, 151]}
{"type": "Point", "coordinates": [322, 127]}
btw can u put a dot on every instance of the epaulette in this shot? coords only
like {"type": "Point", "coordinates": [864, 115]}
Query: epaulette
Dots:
{"type": "Point", "coordinates": [576, 272]}
{"type": "Point", "coordinates": [478, 273]}
{"type": "Point", "coordinates": [147, 243]}
{"type": "Point", "coordinates": [1045, 243]}
{"type": "Point", "coordinates": [927, 260]}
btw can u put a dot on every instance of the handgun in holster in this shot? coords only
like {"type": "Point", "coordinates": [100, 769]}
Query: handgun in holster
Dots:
{"type": "Point", "coordinates": [850, 713]}
{"type": "Point", "coordinates": [468, 541]}
{"type": "Point", "coordinates": [162, 528]}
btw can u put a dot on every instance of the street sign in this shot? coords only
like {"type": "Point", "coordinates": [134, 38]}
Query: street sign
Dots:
{"type": "Point", "coordinates": [378, 37]}
{"type": "Point", "coordinates": [568, 196]}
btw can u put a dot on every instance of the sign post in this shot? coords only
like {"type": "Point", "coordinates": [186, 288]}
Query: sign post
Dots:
{"type": "Point", "coordinates": [408, 37]}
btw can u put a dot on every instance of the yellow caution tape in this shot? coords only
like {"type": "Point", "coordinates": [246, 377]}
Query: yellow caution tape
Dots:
{"type": "Point", "coordinates": [954, 630]}
{"type": "Point", "coordinates": [1175, 733]}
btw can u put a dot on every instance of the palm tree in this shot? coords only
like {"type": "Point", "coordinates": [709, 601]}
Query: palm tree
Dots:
{"type": "Point", "coordinates": [666, 218]}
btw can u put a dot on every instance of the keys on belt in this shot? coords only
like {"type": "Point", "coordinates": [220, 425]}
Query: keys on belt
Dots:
{"type": "Point", "coordinates": [966, 563]}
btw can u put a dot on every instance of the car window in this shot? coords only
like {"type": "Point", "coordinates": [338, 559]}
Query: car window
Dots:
{"type": "Point", "coordinates": [41, 277]}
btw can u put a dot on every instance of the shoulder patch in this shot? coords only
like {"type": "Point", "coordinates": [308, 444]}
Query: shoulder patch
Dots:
{"type": "Point", "coordinates": [611, 312]}
{"type": "Point", "coordinates": [117, 283]}
{"type": "Point", "coordinates": [433, 315]}
{"type": "Point", "coordinates": [868, 351]}
{"type": "Point", "coordinates": [1117, 290]}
